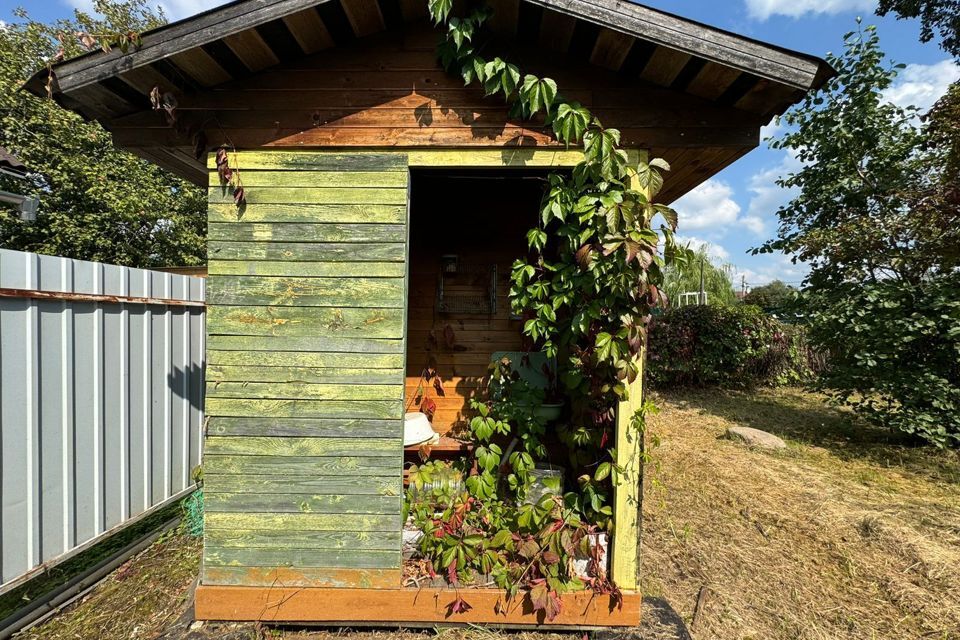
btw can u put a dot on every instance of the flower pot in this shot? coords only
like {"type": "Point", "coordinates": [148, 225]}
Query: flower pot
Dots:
{"type": "Point", "coordinates": [549, 412]}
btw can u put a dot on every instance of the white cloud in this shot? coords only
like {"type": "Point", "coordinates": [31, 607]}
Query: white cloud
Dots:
{"type": "Point", "coordinates": [768, 196]}
{"type": "Point", "coordinates": [920, 85]}
{"type": "Point", "coordinates": [177, 9]}
{"type": "Point", "coordinates": [715, 251]}
{"type": "Point", "coordinates": [771, 129]}
{"type": "Point", "coordinates": [763, 9]}
{"type": "Point", "coordinates": [711, 208]}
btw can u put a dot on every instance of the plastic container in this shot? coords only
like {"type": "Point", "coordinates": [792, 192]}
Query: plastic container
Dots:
{"type": "Point", "coordinates": [540, 477]}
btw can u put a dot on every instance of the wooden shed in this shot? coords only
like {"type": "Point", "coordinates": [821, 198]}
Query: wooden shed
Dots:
{"type": "Point", "coordinates": [367, 169]}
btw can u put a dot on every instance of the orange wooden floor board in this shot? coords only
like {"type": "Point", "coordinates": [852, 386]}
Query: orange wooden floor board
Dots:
{"type": "Point", "coordinates": [428, 605]}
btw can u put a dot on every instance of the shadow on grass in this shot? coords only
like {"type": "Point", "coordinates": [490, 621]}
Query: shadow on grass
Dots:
{"type": "Point", "coordinates": [807, 418]}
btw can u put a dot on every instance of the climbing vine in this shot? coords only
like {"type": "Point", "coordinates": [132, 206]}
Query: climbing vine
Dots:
{"type": "Point", "coordinates": [586, 290]}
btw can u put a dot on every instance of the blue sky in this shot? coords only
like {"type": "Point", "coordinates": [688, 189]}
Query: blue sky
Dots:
{"type": "Point", "coordinates": [735, 210]}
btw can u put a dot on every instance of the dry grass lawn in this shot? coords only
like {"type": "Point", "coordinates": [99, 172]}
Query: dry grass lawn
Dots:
{"type": "Point", "coordinates": [846, 534]}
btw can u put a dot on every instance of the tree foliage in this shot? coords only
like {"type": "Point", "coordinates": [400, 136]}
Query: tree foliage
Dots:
{"type": "Point", "coordinates": [870, 205]}
{"type": "Point", "coordinates": [772, 297]}
{"type": "Point", "coordinates": [895, 352]}
{"type": "Point", "coordinates": [96, 202]}
{"type": "Point", "coordinates": [685, 278]}
{"type": "Point", "coordinates": [940, 17]}
{"type": "Point", "coordinates": [876, 219]}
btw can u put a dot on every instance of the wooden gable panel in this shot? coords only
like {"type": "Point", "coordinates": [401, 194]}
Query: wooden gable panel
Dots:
{"type": "Point", "coordinates": [556, 30]}
{"type": "Point", "coordinates": [364, 16]}
{"type": "Point", "coordinates": [200, 65]}
{"type": "Point", "coordinates": [664, 66]}
{"type": "Point", "coordinates": [392, 92]}
{"type": "Point", "coordinates": [611, 49]}
{"type": "Point", "coordinates": [249, 46]}
{"type": "Point", "coordinates": [309, 31]}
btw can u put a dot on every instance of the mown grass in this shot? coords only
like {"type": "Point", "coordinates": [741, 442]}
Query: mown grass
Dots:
{"type": "Point", "coordinates": [848, 533]}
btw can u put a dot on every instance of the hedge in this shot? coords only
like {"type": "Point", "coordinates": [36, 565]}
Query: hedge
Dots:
{"type": "Point", "coordinates": [731, 346]}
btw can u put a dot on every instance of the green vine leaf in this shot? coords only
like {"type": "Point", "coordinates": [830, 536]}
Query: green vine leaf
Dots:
{"type": "Point", "coordinates": [439, 10]}
{"type": "Point", "coordinates": [539, 94]}
{"type": "Point", "coordinates": [570, 122]}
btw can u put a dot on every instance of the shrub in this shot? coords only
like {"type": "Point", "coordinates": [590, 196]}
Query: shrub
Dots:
{"type": "Point", "coordinates": [728, 346]}
{"type": "Point", "coordinates": [895, 353]}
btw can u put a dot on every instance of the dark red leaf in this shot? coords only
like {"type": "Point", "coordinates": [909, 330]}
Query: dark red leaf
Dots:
{"type": "Point", "coordinates": [584, 256]}
{"type": "Point", "coordinates": [459, 606]}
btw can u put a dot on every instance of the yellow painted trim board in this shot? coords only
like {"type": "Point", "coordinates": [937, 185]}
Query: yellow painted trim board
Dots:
{"type": "Point", "coordinates": [265, 160]}
{"type": "Point", "coordinates": [626, 492]}
{"type": "Point", "coordinates": [506, 157]}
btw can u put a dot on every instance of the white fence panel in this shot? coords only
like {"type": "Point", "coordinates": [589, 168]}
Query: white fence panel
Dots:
{"type": "Point", "coordinates": [101, 401]}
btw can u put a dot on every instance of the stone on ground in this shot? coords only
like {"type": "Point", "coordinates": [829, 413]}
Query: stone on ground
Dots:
{"type": "Point", "coordinates": [755, 438]}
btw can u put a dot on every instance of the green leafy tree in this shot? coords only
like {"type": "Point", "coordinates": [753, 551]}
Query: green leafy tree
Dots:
{"type": "Point", "coordinates": [943, 17]}
{"type": "Point", "coordinates": [873, 220]}
{"type": "Point", "coordinates": [96, 202]}
{"type": "Point", "coordinates": [936, 16]}
{"type": "Point", "coordinates": [717, 280]}
{"type": "Point", "coordinates": [772, 297]}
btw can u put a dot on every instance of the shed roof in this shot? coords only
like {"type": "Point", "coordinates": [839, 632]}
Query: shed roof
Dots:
{"type": "Point", "coordinates": [11, 163]}
{"type": "Point", "coordinates": [245, 37]}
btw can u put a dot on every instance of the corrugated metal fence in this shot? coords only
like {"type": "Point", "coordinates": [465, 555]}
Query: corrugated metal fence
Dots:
{"type": "Point", "coordinates": [101, 400]}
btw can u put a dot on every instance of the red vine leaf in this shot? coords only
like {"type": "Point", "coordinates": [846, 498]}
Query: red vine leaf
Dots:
{"type": "Point", "coordinates": [87, 40]}
{"type": "Point", "coordinates": [428, 407]}
{"type": "Point", "coordinates": [545, 600]}
{"type": "Point", "coordinates": [458, 606]}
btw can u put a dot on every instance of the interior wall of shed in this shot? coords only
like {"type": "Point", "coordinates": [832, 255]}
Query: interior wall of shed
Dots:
{"type": "Point", "coordinates": [482, 218]}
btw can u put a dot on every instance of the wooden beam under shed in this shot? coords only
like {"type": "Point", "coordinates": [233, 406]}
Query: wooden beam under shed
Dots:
{"type": "Point", "coordinates": [581, 609]}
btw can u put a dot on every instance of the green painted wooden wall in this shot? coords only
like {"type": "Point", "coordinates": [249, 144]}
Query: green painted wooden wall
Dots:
{"type": "Point", "coordinates": [305, 369]}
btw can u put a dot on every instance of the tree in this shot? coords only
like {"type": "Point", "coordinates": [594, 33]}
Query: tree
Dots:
{"type": "Point", "coordinates": [941, 16]}
{"type": "Point", "coordinates": [874, 222]}
{"type": "Point", "coordinates": [96, 202]}
{"type": "Point", "coordinates": [944, 118]}
{"type": "Point", "coordinates": [686, 278]}
{"type": "Point", "coordinates": [771, 297]}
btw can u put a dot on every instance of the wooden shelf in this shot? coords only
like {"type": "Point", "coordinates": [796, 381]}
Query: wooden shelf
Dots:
{"type": "Point", "coordinates": [446, 445]}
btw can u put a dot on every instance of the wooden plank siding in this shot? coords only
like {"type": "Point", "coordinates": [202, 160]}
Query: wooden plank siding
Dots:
{"type": "Point", "coordinates": [306, 340]}
{"type": "Point", "coordinates": [389, 90]}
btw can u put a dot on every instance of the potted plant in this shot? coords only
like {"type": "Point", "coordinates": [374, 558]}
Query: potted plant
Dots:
{"type": "Point", "coordinates": [533, 382]}
{"type": "Point", "coordinates": [552, 406]}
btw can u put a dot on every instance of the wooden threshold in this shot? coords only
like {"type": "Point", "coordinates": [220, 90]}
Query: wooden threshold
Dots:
{"type": "Point", "coordinates": [401, 607]}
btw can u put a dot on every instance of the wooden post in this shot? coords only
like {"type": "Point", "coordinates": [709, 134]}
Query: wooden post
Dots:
{"type": "Point", "coordinates": [624, 565]}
